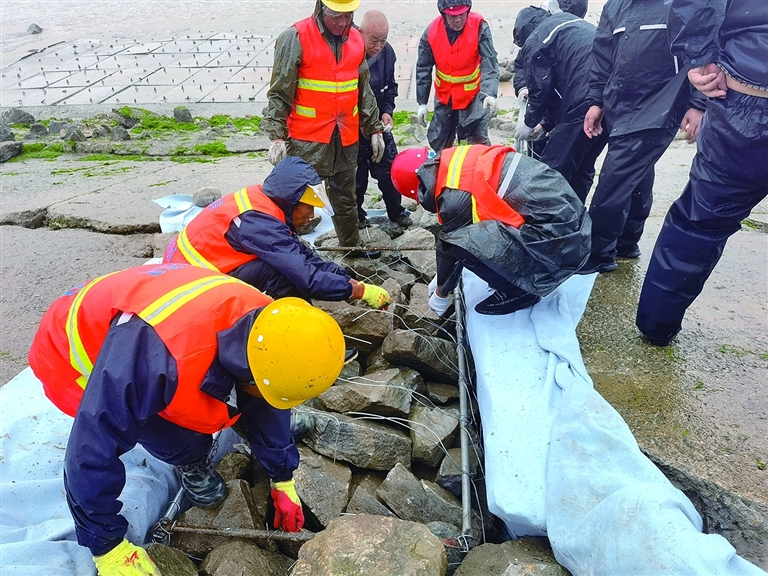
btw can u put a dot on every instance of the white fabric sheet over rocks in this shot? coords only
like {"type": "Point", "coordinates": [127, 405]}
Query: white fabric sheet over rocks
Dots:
{"type": "Point", "coordinates": [37, 533]}
{"type": "Point", "coordinates": [561, 462]}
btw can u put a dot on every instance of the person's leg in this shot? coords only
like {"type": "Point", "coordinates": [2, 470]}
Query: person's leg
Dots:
{"type": "Point", "coordinates": [382, 172]}
{"type": "Point", "coordinates": [573, 154]}
{"type": "Point", "coordinates": [442, 128]}
{"type": "Point", "coordinates": [361, 178]}
{"type": "Point", "coordinates": [627, 163]}
{"type": "Point", "coordinates": [729, 176]}
{"type": "Point", "coordinates": [266, 278]}
{"type": "Point", "coordinates": [639, 210]}
{"type": "Point", "coordinates": [476, 132]}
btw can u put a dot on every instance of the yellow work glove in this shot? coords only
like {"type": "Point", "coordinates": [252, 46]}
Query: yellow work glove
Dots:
{"type": "Point", "coordinates": [125, 559]}
{"type": "Point", "coordinates": [288, 513]}
{"type": "Point", "coordinates": [377, 298]}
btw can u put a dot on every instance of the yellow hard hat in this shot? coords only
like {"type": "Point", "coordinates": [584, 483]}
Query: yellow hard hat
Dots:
{"type": "Point", "coordinates": [342, 5]}
{"type": "Point", "coordinates": [295, 352]}
{"type": "Point", "coordinates": [317, 195]}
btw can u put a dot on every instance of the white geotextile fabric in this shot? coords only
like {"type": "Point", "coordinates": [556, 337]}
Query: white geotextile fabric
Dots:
{"type": "Point", "coordinates": [561, 462]}
{"type": "Point", "coordinates": [37, 533]}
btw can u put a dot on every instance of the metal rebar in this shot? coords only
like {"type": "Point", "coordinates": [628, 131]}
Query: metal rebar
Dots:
{"type": "Point", "coordinates": [246, 533]}
{"type": "Point", "coordinates": [466, 497]}
{"type": "Point", "coordinates": [382, 248]}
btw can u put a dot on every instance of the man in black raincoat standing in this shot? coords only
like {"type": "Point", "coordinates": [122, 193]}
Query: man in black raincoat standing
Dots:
{"type": "Point", "coordinates": [729, 175]}
{"type": "Point", "coordinates": [641, 93]}
{"type": "Point", "coordinates": [557, 53]}
{"type": "Point", "coordinates": [459, 46]}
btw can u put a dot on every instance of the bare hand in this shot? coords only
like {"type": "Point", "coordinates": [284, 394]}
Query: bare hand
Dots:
{"type": "Point", "coordinates": [691, 124]}
{"type": "Point", "coordinates": [386, 119]}
{"type": "Point", "coordinates": [709, 79]}
{"type": "Point", "coordinates": [592, 120]}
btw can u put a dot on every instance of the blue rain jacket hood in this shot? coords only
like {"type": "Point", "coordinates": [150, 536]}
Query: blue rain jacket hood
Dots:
{"type": "Point", "coordinates": [287, 182]}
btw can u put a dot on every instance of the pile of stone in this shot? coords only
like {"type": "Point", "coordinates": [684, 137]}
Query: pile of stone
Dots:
{"type": "Point", "coordinates": [380, 471]}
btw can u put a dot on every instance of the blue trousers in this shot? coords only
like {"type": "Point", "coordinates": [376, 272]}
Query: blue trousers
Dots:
{"type": "Point", "coordinates": [624, 193]}
{"type": "Point", "coordinates": [729, 176]}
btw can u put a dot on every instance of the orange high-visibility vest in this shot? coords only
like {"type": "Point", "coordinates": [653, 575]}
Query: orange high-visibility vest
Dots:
{"type": "Point", "coordinates": [457, 65]}
{"type": "Point", "coordinates": [326, 92]}
{"type": "Point", "coordinates": [202, 241]}
{"type": "Point", "coordinates": [186, 305]}
{"type": "Point", "coordinates": [477, 169]}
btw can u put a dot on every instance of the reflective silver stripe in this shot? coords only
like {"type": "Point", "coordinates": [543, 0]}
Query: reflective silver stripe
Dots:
{"type": "Point", "coordinates": [236, 221]}
{"type": "Point", "coordinates": [124, 317]}
{"type": "Point", "coordinates": [556, 28]}
{"type": "Point", "coordinates": [558, 94]}
{"type": "Point", "coordinates": [508, 176]}
{"type": "Point", "coordinates": [653, 27]}
{"type": "Point", "coordinates": [677, 66]}
{"type": "Point", "coordinates": [620, 30]}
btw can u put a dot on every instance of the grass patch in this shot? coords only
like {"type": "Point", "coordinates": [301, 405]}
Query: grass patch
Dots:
{"type": "Point", "coordinates": [9, 173]}
{"type": "Point", "coordinates": [39, 150]}
{"type": "Point", "coordinates": [760, 464]}
{"type": "Point", "coordinates": [740, 352]}
{"type": "Point", "coordinates": [190, 159]}
{"type": "Point", "coordinates": [212, 149]}
{"type": "Point", "coordinates": [160, 183]}
{"type": "Point", "coordinates": [220, 120]}
{"type": "Point", "coordinates": [118, 158]}
{"type": "Point", "coordinates": [403, 117]}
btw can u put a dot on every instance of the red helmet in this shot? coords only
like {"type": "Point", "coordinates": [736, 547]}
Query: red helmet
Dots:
{"type": "Point", "coordinates": [404, 168]}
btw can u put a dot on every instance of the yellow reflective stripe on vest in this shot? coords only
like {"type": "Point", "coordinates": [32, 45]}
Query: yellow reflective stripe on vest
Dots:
{"type": "Point", "coordinates": [190, 253]}
{"type": "Point", "coordinates": [243, 201]}
{"type": "Point", "coordinates": [475, 217]}
{"type": "Point", "coordinates": [78, 357]}
{"type": "Point", "coordinates": [306, 111]}
{"type": "Point", "coordinates": [169, 303]}
{"type": "Point", "coordinates": [327, 85]}
{"type": "Point", "coordinates": [455, 165]}
{"type": "Point", "coordinates": [458, 79]}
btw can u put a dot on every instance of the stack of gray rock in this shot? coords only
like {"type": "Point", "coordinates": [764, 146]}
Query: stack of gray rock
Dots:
{"type": "Point", "coordinates": [380, 472]}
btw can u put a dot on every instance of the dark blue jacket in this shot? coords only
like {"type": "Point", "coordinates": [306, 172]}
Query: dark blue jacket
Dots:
{"type": "Point", "coordinates": [383, 83]}
{"type": "Point", "coordinates": [277, 244]}
{"type": "Point", "coordinates": [635, 78]}
{"type": "Point", "coordinates": [134, 378]}
{"type": "Point", "coordinates": [738, 44]}
{"type": "Point", "coordinates": [526, 22]}
{"type": "Point", "coordinates": [559, 51]}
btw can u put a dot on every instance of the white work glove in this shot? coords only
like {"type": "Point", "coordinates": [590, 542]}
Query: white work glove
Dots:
{"type": "Point", "coordinates": [438, 304]}
{"type": "Point", "coordinates": [432, 285]}
{"type": "Point", "coordinates": [522, 95]}
{"type": "Point", "coordinates": [421, 114]}
{"type": "Point", "coordinates": [377, 147]}
{"type": "Point", "coordinates": [491, 105]}
{"type": "Point", "coordinates": [277, 152]}
{"type": "Point", "coordinates": [525, 132]}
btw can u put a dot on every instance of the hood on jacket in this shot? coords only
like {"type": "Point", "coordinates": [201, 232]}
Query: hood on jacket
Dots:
{"type": "Point", "coordinates": [443, 4]}
{"type": "Point", "coordinates": [526, 22]}
{"type": "Point", "coordinates": [287, 182]}
{"type": "Point", "coordinates": [576, 7]}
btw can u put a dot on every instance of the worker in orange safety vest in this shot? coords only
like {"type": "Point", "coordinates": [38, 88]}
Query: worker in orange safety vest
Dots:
{"type": "Point", "coordinates": [165, 356]}
{"type": "Point", "coordinates": [459, 46]}
{"type": "Point", "coordinates": [510, 219]}
{"type": "Point", "coordinates": [318, 99]}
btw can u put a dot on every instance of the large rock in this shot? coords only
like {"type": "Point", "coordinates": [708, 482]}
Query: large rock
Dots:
{"type": "Point", "coordinates": [530, 557]}
{"type": "Point", "coordinates": [6, 134]}
{"type": "Point", "coordinates": [239, 510]}
{"type": "Point", "coordinates": [239, 558]}
{"type": "Point", "coordinates": [422, 501]}
{"type": "Point", "coordinates": [432, 431]}
{"type": "Point", "coordinates": [363, 502]}
{"type": "Point", "coordinates": [386, 392]}
{"type": "Point", "coordinates": [434, 358]}
{"type": "Point", "coordinates": [364, 545]}
{"type": "Point", "coordinates": [449, 533]}
{"type": "Point", "coordinates": [362, 443]}
{"type": "Point", "coordinates": [418, 315]}
{"type": "Point", "coordinates": [17, 116]}
{"type": "Point", "coordinates": [368, 327]}
{"type": "Point", "coordinates": [182, 114]}
{"type": "Point", "coordinates": [9, 150]}
{"type": "Point", "coordinates": [170, 561]}
{"type": "Point", "coordinates": [322, 485]}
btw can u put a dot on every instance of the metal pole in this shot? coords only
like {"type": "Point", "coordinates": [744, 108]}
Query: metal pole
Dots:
{"type": "Point", "coordinates": [466, 496]}
{"type": "Point", "coordinates": [248, 534]}
{"type": "Point", "coordinates": [383, 248]}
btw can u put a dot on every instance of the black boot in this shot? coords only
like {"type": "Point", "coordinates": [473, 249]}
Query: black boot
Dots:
{"type": "Point", "coordinates": [202, 484]}
{"type": "Point", "coordinates": [500, 303]}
